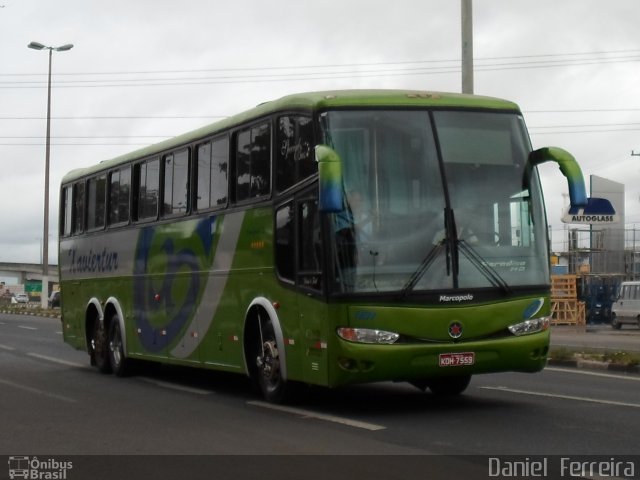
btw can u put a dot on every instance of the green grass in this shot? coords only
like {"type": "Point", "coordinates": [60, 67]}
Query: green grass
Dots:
{"type": "Point", "coordinates": [618, 357]}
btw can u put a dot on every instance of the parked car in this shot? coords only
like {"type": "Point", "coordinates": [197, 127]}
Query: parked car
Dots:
{"type": "Point", "coordinates": [22, 298]}
{"type": "Point", "coordinates": [626, 309]}
{"type": "Point", "coordinates": [54, 299]}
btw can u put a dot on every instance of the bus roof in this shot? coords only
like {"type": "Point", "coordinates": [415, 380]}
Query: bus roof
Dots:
{"type": "Point", "coordinates": [308, 101]}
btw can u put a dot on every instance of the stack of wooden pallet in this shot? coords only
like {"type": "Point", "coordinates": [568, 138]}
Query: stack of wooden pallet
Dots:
{"type": "Point", "coordinates": [566, 309]}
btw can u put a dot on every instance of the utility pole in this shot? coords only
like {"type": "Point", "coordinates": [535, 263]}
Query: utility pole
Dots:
{"type": "Point", "coordinates": [467, 46]}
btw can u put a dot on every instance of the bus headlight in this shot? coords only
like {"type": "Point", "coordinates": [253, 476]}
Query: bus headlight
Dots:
{"type": "Point", "coordinates": [367, 335]}
{"type": "Point", "coordinates": [533, 325]}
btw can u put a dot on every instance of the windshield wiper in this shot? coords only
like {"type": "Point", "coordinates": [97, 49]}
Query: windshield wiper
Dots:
{"type": "Point", "coordinates": [483, 267]}
{"type": "Point", "coordinates": [422, 268]}
{"type": "Point", "coordinates": [456, 245]}
{"type": "Point", "coordinates": [451, 255]}
{"type": "Point", "coordinates": [453, 247]}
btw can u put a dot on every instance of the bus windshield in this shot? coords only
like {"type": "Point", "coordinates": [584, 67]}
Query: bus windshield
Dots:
{"type": "Point", "coordinates": [435, 200]}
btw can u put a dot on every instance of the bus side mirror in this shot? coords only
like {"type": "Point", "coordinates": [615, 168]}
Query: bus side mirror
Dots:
{"type": "Point", "coordinates": [330, 197]}
{"type": "Point", "coordinates": [581, 209]}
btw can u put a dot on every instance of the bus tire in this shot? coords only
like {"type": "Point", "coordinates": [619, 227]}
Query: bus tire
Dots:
{"type": "Point", "coordinates": [117, 359]}
{"type": "Point", "coordinates": [100, 347]}
{"type": "Point", "coordinates": [269, 374]}
{"type": "Point", "coordinates": [449, 386]}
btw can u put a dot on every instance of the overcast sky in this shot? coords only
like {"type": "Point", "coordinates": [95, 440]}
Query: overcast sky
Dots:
{"type": "Point", "coordinates": [144, 70]}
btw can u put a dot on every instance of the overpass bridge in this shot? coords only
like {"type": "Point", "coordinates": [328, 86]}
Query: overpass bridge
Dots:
{"type": "Point", "coordinates": [21, 272]}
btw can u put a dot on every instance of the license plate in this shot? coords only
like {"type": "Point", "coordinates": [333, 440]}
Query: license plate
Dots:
{"type": "Point", "coordinates": [457, 359]}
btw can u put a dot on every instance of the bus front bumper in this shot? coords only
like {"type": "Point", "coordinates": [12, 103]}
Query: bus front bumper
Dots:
{"type": "Point", "coordinates": [358, 363]}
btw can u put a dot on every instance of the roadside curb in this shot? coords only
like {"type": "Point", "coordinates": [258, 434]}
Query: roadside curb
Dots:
{"type": "Point", "coordinates": [595, 365]}
{"type": "Point", "coordinates": [32, 314]}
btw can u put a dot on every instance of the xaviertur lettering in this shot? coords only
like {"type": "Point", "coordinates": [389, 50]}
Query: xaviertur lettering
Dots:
{"type": "Point", "coordinates": [92, 262]}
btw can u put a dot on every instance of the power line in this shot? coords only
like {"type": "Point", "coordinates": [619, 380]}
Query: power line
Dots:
{"type": "Point", "coordinates": [585, 110]}
{"type": "Point", "coordinates": [76, 144]}
{"type": "Point", "coordinates": [116, 117]}
{"type": "Point", "coordinates": [87, 136]}
{"type": "Point", "coordinates": [20, 144]}
{"type": "Point", "coordinates": [343, 65]}
{"type": "Point", "coordinates": [533, 130]}
{"type": "Point", "coordinates": [592, 125]}
{"type": "Point", "coordinates": [312, 76]}
{"type": "Point", "coordinates": [586, 131]}
{"type": "Point", "coordinates": [210, 117]}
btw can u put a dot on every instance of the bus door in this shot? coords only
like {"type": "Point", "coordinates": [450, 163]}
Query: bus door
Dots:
{"type": "Point", "coordinates": [312, 308]}
{"type": "Point", "coordinates": [299, 261]}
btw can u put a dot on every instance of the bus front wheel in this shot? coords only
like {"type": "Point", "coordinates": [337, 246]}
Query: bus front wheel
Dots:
{"type": "Point", "coordinates": [269, 373]}
{"type": "Point", "coordinates": [449, 386]}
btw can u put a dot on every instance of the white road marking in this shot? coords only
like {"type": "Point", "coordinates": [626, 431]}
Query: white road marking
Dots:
{"type": "Point", "coordinates": [174, 386]}
{"type": "Point", "coordinates": [593, 374]}
{"type": "Point", "coordinates": [59, 361]}
{"type": "Point", "coordinates": [7, 347]}
{"type": "Point", "coordinates": [37, 391]}
{"type": "Point", "coordinates": [24, 327]}
{"type": "Point", "coordinates": [563, 397]}
{"type": "Point", "coordinates": [319, 416]}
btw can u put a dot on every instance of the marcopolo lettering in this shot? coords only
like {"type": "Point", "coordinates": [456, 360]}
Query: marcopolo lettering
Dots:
{"type": "Point", "coordinates": [467, 297]}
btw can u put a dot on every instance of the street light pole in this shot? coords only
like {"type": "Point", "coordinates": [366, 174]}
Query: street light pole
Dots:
{"type": "Point", "coordinates": [467, 46]}
{"type": "Point", "coordinates": [45, 236]}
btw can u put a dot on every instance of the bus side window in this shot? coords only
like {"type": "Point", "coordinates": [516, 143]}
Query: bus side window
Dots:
{"type": "Point", "coordinates": [119, 190]}
{"type": "Point", "coordinates": [77, 219]}
{"type": "Point", "coordinates": [147, 186]}
{"type": "Point", "coordinates": [285, 259]}
{"type": "Point", "coordinates": [212, 165]}
{"type": "Point", "coordinates": [176, 179]}
{"type": "Point", "coordinates": [67, 208]}
{"type": "Point", "coordinates": [294, 151]}
{"type": "Point", "coordinates": [96, 202]}
{"type": "Point", "coordinates": [253, 162]}
{"type": "Point", "coordinates": [299, 232]}
{"type": "Point", "coordinates": [309, 245]}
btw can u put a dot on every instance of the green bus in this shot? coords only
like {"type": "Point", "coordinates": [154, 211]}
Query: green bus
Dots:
{"type": "Point", "coordinates": [325, 238]}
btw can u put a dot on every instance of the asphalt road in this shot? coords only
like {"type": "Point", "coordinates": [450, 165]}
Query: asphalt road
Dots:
{"type": "Point", "coordinates": [53, 403]}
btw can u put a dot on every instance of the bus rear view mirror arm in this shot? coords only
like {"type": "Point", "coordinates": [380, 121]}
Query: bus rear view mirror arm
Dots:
{"type": "Point", "coordinates": [582, 208]}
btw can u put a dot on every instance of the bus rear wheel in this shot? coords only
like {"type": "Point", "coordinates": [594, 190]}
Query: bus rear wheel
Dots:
{"type": "Point", "coordinates": [449, 386]}
{"type": "Point", "coordinates": [117, 358]}
{"type": "Point", "coordinates": [99, 349]}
